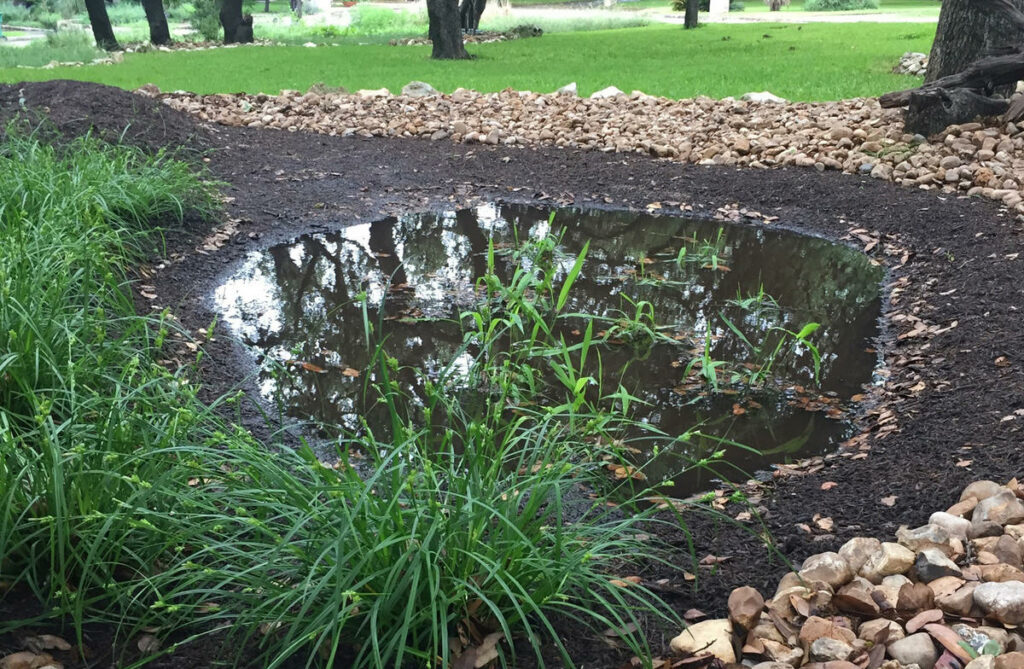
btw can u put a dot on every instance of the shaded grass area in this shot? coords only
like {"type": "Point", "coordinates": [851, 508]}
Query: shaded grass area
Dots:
{"type": "Point", "coordinates": [809, 62]}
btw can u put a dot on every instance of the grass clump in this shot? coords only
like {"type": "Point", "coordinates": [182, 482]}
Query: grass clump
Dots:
{"type": "Point", "coordinates": [124, 499]}
{"type": "Point", "coordinates": [78, 392]}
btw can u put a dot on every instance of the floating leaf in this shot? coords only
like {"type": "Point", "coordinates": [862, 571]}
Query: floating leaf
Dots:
{"type": "Point", "coordinates": [308, 366]}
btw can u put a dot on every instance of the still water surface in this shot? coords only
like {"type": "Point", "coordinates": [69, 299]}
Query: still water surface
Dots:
{"type": "Point", "coordinates": [298, 301]}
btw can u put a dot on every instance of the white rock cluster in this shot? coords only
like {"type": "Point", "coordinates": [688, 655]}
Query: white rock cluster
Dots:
{"type": "Point", "coordinates": [948, 594]}
{"type": "Point", "coordinates": [854, 136]}
{"type": "Point", "coordinates": [912, 62]}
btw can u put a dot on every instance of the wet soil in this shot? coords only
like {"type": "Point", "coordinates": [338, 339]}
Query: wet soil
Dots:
{"type": "Point", "coordinates": [953, 347]}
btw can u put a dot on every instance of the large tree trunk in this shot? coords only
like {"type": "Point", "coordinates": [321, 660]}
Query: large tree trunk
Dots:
{"type": "Point", "coordinates": [445, 29]}
{"type": "Point", "coordinates": [470, 12]}
{"type": "Point", "coordinates": [692, 9]}
{"type": "Point", "coordinates": [101, 28]}
{"type": "Point", "coordinates": [969, 30]}
{"type": "Point", "coordinates": [237, 28]}
{"type": "Point", "coordinates": [159, 33]}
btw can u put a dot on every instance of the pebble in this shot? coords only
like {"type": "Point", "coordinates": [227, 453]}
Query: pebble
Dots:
{"type": "Point", "coordinates": [856, 551]}
{"type": "Point", "coordinates": [829, 650]}
{"type": "Point", "coordinates": [932, 564]}
{"type": "Point", "coordinates": [980, 490]}
{"type": "Point", "coordinates": [1009, 661]}
{"type": "Point", "coordinates": [829, 568]}
{"type": "Point", "coordinates": [1003, 507]}
{"type": "Point", "coordinates": [710, 636]}
{"type": "Point", "coordinates": [1002, 601]}
{"type": "Point", "coordinates": [955, 526]}
{"type": "Point", "coordinates": [915, 649]}
{"type": "Point", "coordinates": [891, 559]}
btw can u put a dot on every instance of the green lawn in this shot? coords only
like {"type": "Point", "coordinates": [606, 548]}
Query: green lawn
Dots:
{"type": "Point", "coordinates": [923, 9]}
{"type": "Point", "coordinates": [809, 62]}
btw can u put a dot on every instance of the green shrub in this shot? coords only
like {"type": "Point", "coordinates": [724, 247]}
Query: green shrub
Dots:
{"type": "Point", "coordinates": [205, 19]}
{"type": "Point", "coordinates": [124, 12]}
{"type": "Point", "coordinates": [839, 5]}
{"type": "Point", "coordinates": [367, 20]}
{"type": "Point", "coordinates": [181, 12]}
{"type": "Point", "coordinates": [66, 9]}
{"type": "Point", "coordinates": [15, 14]}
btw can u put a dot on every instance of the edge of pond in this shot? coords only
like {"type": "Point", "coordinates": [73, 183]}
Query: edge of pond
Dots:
{"type": "Point", "coordinates": [911, 456]}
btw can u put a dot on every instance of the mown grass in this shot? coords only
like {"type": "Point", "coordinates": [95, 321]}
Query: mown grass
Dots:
{"type": "Point", "coordinates": [126, 500]}
{"type": "Point", "coordinates": [715, 60]}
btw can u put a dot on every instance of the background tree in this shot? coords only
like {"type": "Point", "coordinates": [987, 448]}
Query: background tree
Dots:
{"type": "Point", "coordinates": [968, 30]}
{"type": "Point", "coordinates": [445, 30]}
{"type": "Point", "coordinates": [159, 33]}
{"type": "Point", "coordinates": [692, 10]}
{"type": "Point", "coordinates": [101, 28]}
{"type": "Point", "coordinates": [237, 28]}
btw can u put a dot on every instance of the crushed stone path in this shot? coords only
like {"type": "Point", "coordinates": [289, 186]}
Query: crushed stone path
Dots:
{"type": "Point", "coordinates": [854, 136]}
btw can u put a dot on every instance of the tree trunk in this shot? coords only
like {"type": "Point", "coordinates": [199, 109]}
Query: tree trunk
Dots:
{"type": "Point", "coordinates": [445, 30]}
{"type": "Point", "coordinates": [101, 28]}
{"type": "Point", "coordinates": [237, 28]}
{"type": "Point", "coordinates": [159, 33]}
{"type": "Point", "coordinates": [692, 9]}
{"type": "Point", "coordinates": [266, 6]}
{"type": "Point", "coordinates": [969, 30]}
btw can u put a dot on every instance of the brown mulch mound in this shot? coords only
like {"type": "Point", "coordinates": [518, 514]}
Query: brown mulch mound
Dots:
{"type": "Point", "coordinates": [940, 418]}
{"type": "Point", "coordinates": [75, 108]}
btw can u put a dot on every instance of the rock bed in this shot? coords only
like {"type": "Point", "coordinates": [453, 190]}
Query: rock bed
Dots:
{"type": "Point", "coordinates": [947, 595]}
{"type": "Point", "coordinates": [854, 136]}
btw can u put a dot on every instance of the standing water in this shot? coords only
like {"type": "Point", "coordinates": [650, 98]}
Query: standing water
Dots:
{"type": "Point", "coordinates": [724, 303]}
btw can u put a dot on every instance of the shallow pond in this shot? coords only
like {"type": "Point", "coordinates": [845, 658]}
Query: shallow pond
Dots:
{"type": "Point", "coordinates": [719, 292]}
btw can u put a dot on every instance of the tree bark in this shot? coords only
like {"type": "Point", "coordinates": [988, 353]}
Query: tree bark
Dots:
{"type": "Point", "coordinates": [983, 76]}
{"type": "Point", "coordinates": [101, 28]}
{"type": "Point", "coordinates": [470, 12]}
{"type": "Point", "coordinates": [692, 13]}
{"type": "Point", "coordinates": [159, 33]}
{"type": "Point", "coordinates": [932, 111]}
{"type": "Point", "coordinates": [237, 28]}
{"type": "Point", "coordinates": [445, 30]}
{"type": "Point", "coordinates": [969, 30]}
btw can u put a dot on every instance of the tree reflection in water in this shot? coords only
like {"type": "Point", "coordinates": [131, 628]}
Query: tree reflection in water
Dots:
{"type": "Point", "coordinates": [300, 301]}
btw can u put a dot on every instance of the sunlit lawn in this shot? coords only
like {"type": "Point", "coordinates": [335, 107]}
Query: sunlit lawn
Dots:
{"type": "Point", "coordinates": [800, 62]}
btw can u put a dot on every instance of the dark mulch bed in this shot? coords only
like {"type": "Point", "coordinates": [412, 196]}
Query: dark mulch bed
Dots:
{"type": "Point", "coordinates": [961, 267]}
